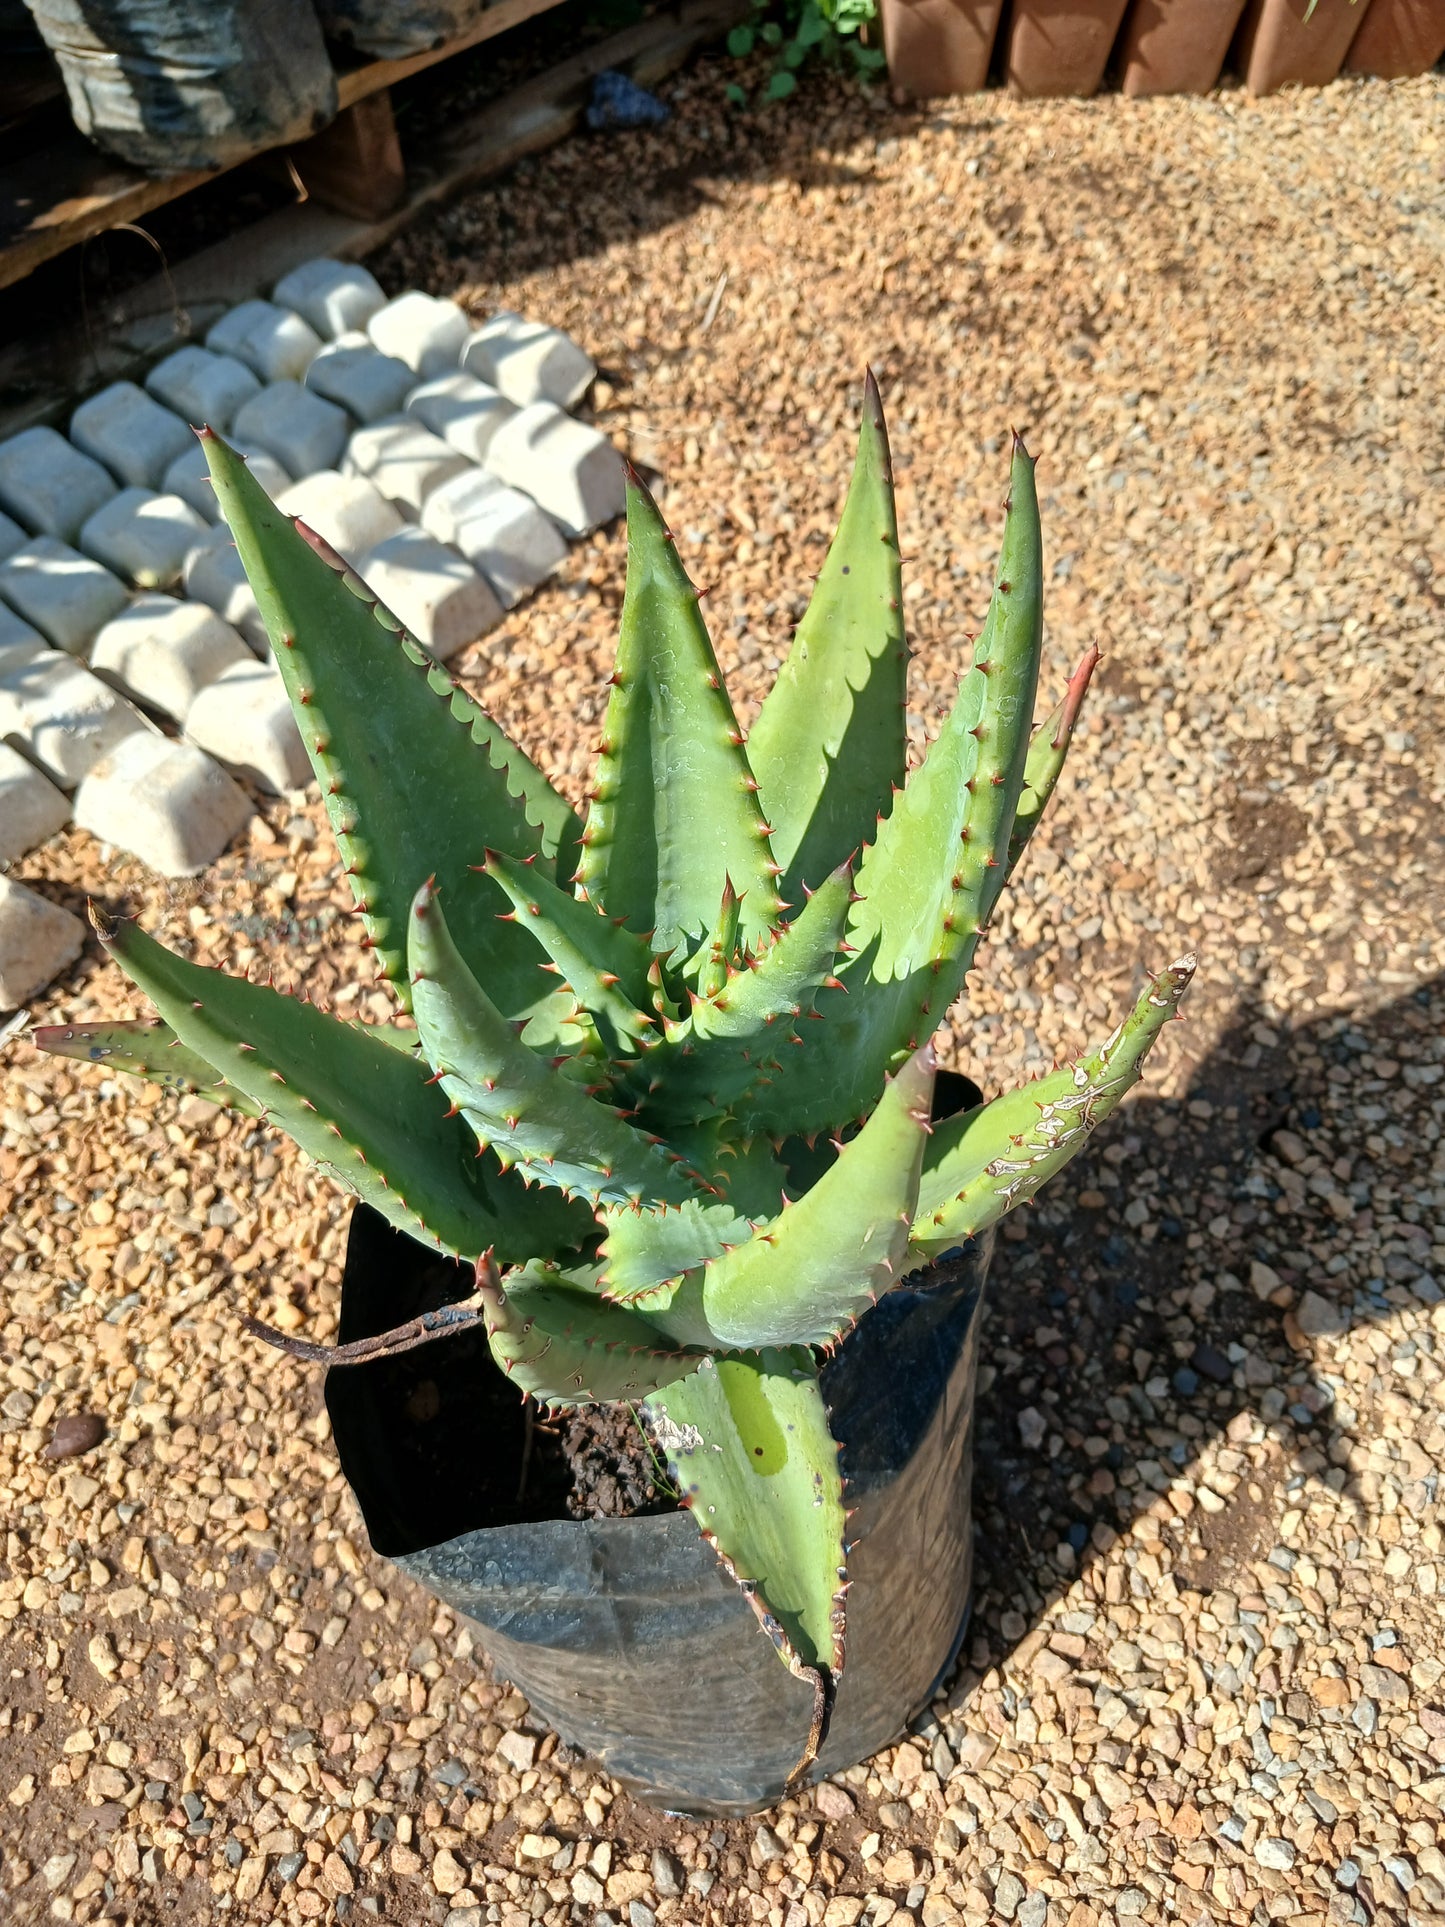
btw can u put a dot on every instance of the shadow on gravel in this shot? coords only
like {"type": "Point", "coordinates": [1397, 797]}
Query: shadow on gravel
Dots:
{"type": "Point", "coordinates": [1121, 1352]}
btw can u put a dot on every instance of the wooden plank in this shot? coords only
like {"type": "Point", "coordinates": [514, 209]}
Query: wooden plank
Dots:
{"type": "Point", "coordinates": [67, 192]}
{"type": "Point", "coordinates": [361, 81]}
{"type": "Point", "coordinates": [41, 378]}
{"type": "Point", "coordinates": [355, 164]}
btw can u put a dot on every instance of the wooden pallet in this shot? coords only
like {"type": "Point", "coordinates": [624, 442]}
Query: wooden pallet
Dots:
{"type": "Point", "coordinates": [66, 191]}
{"type": "Point", "coordinates": [45, 371]}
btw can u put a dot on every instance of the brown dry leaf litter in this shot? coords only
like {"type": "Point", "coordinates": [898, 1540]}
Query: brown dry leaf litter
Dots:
{"type": "Point", "coordinates": [1206, 1677]}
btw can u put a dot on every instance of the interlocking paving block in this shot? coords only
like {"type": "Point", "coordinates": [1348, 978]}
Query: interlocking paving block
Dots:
{"type": "Point", "coordinates": [300, 430]}
{"type": "Point", "coordinates": [37, 940]}
{"type": "Point", "coordinates": [214, 575]}
{"type": "Point", "coordinates": [245, 718]}
{"type": "Point", "coordinates": [48, 486]}
{"type": "Point", "coordinates": [273, 342]}
{"type": "Point", "coordinates": [567, 468]}
{"type": "Point", "coordinates": [528, 361]}
{"type": "Point", "coordinates": [351, 513]}
{"type": "Point", "coordinates": [425, 332]}
{"type": "Point", "coordinates": [360, 378]}
{"type": "Point", "coordinates": [18, 641]}
{"type": "Point", "coordinates": [431, 589]}
{"type": "Point", "coordinates": [67, 719]}
{"type": "Point", "coordinates": [464, 411]}
{"type": "Point", "coordinates": [164, 652]}
{"type": "Point", "coordinates": [143, 537]}
{"type": "Point", "coordinates": [190, 477]}
{"type": "Point", "coordinates": [333, 296]}
{"type": "Point", "coordinates": [11, 536]}
{"type": "Point", "coordinates": [498, 529]}
{"type": "Point", "coordinates": [63, 594]}
{"type": "Point", "coordinates": [31, 807]}
{"type": "Point", "coordinates": [165, 802]}
{"type": "Point", "coordinates": [403, 459]}
{"type": "Point", "coordinates": [204, 389]}
{"type": "Point", "coordinates": [131, 433]}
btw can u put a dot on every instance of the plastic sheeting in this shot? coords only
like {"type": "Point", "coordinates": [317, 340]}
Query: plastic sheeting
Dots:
{"type": "Point", "coordinates": [394, 29]}
{"type": "Point", "coordinates": [171, 86]}
{"type": "Point", "coordinates": [626, 1634]}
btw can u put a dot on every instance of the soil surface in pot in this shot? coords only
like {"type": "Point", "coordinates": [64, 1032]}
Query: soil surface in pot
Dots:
{"type": "Point", "coordinates": [460, 1447]}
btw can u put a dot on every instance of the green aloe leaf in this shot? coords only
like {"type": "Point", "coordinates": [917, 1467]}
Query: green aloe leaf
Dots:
{"type": "Point", "coordinates": [747, 1440]}
{"type": "Point", "coordinates": [983, 1162]}
{"type": "Point", "coordinates": [520, 1105]}
{"type": "Point", "coordinates": [830, 742]}
{"type": "Point", "coordinates": [928, 885]}
{"type": "Point", "coordinates": [674, 811]}
{"type": "Point", "coordinates": [558, 1341]}
{"type": "Point", "coordinates": [604, 965]}
{"type": "Point", "coordinates": [417, 779]}
{"type": "Point", "coordinates": [1048, 752]}
{"type": "Point", "coordinates": [361, 1109]}
{"type": "Point", "coordinates": [811, 1273]}
{"type": "Point", "coordinates": [647, 1248]}
{"type": "Point", "coordinates": [747, 1034]}
{"type": "Point", "coordinates": [144, 1048]}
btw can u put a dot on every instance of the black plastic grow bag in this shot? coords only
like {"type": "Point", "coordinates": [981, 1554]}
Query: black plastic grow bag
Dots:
{"type": "Point", "coordinates": [626, 1634]}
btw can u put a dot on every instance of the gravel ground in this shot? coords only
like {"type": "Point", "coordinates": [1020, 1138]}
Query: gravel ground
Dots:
{"type": "Point", "coordinates": [1206, 1678]}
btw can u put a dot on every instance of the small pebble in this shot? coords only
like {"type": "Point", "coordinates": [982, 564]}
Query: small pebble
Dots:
{"type": "Point", "coordinates": [77, 1432]}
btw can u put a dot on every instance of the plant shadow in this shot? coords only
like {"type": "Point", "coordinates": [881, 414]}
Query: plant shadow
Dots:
{"type": "Point", "coordinates": [1121, 1352]}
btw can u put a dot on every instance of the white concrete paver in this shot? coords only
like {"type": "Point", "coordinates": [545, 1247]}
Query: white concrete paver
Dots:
{"type": "Point", "coordinates": [403, 459]}
{"type": "Point", "coordinates": [435, 592]}
{"type": "Point", "coordinates": [297, 428]}
{"type": "Point", "coordinates": [48, 486]}
{"type": "Point", "coordinates": [143, 538]}
{"type": "Point", "coordinates": [203, 388]}
{"type": "Point", "coordinates": [64, 717]}
{"type": "Point", "coordinates": [348, 511]}
{"type": "Point", "coordinates": [246, 720]}
{"type": "Point", "coordinates": [527, 361]}
{"type": "Point", "coordinates": [165, 802]}
{"type": "Point", "coordinates": [499, 530]}
{"type": "Point", "coordinates": [332, 296]}
{"type": "Point", "coordinates": [31, 807]}
{"type": "Point", "coordinates": [164, 653]}
{"type": "Point", "coordinates": [130, 432]}
{"type": "Point", "coordinates": [567, 468]}
{"type": "Point", "coordinates": [273, 342]}
{"type": "Point", "coordinates": [60, 592]}
{"type": "Point", "coordinates": [37, 940]}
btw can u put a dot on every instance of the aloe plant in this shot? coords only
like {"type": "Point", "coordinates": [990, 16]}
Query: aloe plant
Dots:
{"type": "Point", "coordinates": [667, 1073]}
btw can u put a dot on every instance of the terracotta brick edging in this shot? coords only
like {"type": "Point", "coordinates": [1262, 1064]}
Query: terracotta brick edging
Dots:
{"type": "Point", "coordinates": [1039, 48]}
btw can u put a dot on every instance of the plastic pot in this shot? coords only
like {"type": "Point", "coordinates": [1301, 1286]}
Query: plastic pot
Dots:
{"type": "Point", "coordinates": [939, 46]}
{"type": "Point", "coordinates": [1398, 38]}
{"type": "Point", "coordinates": [1176, 46]}
{"type": "Point", "coordinates": [626, 1635]}
{"type": "Point", "coordinates": [1060, 46]}
{"type": "Point", "coordinates": [1277, 46]}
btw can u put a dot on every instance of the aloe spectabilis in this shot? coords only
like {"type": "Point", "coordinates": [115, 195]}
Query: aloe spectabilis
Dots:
{"type": "Point", "coordinates": [633, 1028]}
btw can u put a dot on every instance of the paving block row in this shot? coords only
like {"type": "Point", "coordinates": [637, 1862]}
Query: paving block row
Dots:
{"type": "Point", "coordinates": [438, 459]}
{"type": "Point", "coordinates": [37, 940]}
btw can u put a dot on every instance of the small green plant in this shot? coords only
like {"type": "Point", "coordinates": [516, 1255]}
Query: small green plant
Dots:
{"type": "Point", "coordinates": [795, 29]}
{"type": "Point", "coordinates": [670, 1080]}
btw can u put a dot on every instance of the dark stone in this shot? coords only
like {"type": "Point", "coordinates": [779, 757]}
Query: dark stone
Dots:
{"type": "Point", "coordinates": [77, 1432]}
{"type": "Point", "coordinates": [1212, 1363]}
